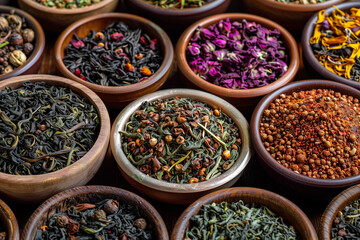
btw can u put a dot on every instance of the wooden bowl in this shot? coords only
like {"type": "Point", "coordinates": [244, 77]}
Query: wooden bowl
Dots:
{"type": "Point", "coordinates": [36, 188]}
{"type": "Point", "coordinates": [93, 194]}
{"type": "Point", "coordinates": [32, 64]}
{"type": "Point", "coordinates": [276, 203]}
{"type": "Point", "coordinates": [171, 192]}
{"type": "Point", "coordinates": [307, 186]}
{"type": "Point", "coordinates": [57, 19]}
{"type": "Point", "coordinates": [118, 97]}
{"type": "Point", "coordinates": [8, 222]}
{"type": "Point", "coordinates": [310, 60]}
{"type": "Point", "coordinates": [291, 16]}
{"type": "Point", "coordinates": [344, 198]}
{"type": "Point", "coordinates": [176, 20]}
{"type": "Point", "coordinates": [243, 99]}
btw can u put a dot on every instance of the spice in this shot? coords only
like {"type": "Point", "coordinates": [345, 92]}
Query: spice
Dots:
{"type": "Point", "coordinates": [71, 4]}
{"type": "Point", "coordinates": [346, 224]}
{"type": "Point", "coordinates": [314, 133]}
{"type": "Point", "coordinates": [111, 57]}
{"type": "Point", "coordinates": [336, 43]}
{"type": "Point", "coordinates": [301, 1]}
{"type": "Point", "coordinates": [235, 220]}
{"type": "Point", "coordinates": [238, 55]}
{"type": "Point", "coordinates": [44, 128]}
{"type": "Point", "coordinates": [180, 140]}
{"type": "Point", "coordinates": [179, 4]}
{"type": "Point", "coordinates": [124, 223]}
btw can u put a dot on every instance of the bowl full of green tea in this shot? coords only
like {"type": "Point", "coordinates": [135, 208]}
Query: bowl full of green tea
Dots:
{"type": "Point", "coordinates": [67, 4]}
{"type": "Point", "coordinates": [181, 141]}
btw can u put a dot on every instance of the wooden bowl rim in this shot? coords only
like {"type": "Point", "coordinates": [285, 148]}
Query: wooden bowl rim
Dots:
{"type": "Point", "coordinates": [299, 7]}
{"type": "Point", "coordinates": [12, 226]}
{"type": "Point", "coordinates": [163, 40]}
{"type": "Point", "coordinates": [100, 143]}
{"type": "Point", "coordinates": [237, 93]}
{"type": "Point", "coordinates": [337, 204]}
{"type": "Point", "coordinates": [308, 53]}
{"type": "Point", "coordinates": [144, 205]}
{"type": "Point", "coordinates": [239, 192]}
{"type": "Point", "coordinates": [66, 11]}
{"type": "Point", "coordinates": [152, 183]}
{"type": "Point", "coordinates": [39, 45]}
{"type": "Point", "coordinates": [270, 161]}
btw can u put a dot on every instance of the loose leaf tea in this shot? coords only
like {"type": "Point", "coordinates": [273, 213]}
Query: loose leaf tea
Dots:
{"type": "Point", "coordinates": [103, 220]}
{"type": "Point", "coordinates": [238, 55]}
{"type": "Point", "coordinates": [115, 56]}
{"type": "Point", "coordinates": [336, 42]}
{"type": "Point", "coordinates": [347, 223]}
{"type": "Point", "coordinates": [236, 220]}
{"type": "Point", "coordinates": [178, 4]}
{"type": "Point", "coordinates": [71, 4]}
{"type": "Point", "coordinates": [16, 41]}
{"type": "Point", "coordinates": [301, 1]}
{"type": "Point", "coordinates": [314, 133]}
{"type": "Point", "coordinates": [44, 128]}
{"type": "Point", "coordinates": [180, 140]}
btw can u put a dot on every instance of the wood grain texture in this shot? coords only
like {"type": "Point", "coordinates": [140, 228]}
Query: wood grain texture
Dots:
{"type": "Point", "coordinates": [8, 222]}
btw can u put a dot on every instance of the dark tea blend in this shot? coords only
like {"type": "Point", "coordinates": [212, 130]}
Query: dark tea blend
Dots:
{"type": "Point", "coordinates": [346, 225]}
{"type": "Point", "coordinates": [105, 220]}
{"type": "Point", "coordinates": [115, 56]}
{"type": "Point", "coordinates": [44, 128]}
{"type": "Point", "coordinates": [180, 140]}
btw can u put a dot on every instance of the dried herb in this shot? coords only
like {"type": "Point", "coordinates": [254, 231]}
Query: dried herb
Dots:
{"type": "Point", "coordinates": [115, 56]}
{"type": "Point", "coordinates": [178, 4]}
{"type": "Point", "coordinates": [314, 133]}
{"type": "Point", "coordinates": [71, 4]}
{"type": "Point", "coordinates": [104, 220]}
{"type": "Point", "coordinates": [237, 55]}
{"type": "Point", "coordinates": [336, 42]}
{"type": "Point", "coordinates": [180, 140]}
{"type": "Point", "coordinates": [44, 128]}
{"type": "Point", "coordinates": [301, 1]}
{"type": "Point", "coordinates": [236, 220]}
{"type": "Point", "coordinates": [347, 223]}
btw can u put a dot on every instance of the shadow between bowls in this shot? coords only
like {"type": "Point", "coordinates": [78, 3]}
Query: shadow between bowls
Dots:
{"type": "Point", "coordinates": [310, 60]}
{"type": "Point", "coordinates": [276, 203]}
{"type": "Point", "coordinates": [56, 19]}
{"type": "Point", "coordinates": [243, 99]}
{"type": "Point", "coordinates": [301, 185]}
{"type": "Point", "coordinates": [118, 97]}
{"type": "Point", "coordinates": [36, 188]}
{"type": "Point", "coordinates": [93, 194]}
{"type": "Point", "coordinates": [171, 192]}
{"type": "Point", "coordinates": [8, 222]}
{"type": "Point", "coordinates": [32, 64]}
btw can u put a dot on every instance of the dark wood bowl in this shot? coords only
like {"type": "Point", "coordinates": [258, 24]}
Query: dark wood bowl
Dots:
{"type": "Point", "coordinates": [337, 204]}
{"type": "Point", "coordinates": [243, 99]}
{"type": "Point", "coordinates": [310, 60]}
{"type": "Point", "coordinates": [93, 194]}
{"type": "Point", "coordinates": [276, 203]}
{"type": "Point", "coordinates": [118, 97]}
{"type": "Point", "coordinates": [36, 188]}
{"type": "Point", "coordinates": [291, 16]}
{"type": "Point", "coordinates": [306, 186]}
{"type": "Point", "coordinates": [32, 64]}
{"type": "Point", "coordinates": [8, 222]}
{"type": "Point", "coordinates": [176, 20]}
{"type": "Point", "coordinates": [57, 19]}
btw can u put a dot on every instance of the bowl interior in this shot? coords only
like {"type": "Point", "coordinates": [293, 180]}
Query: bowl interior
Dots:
{"type": "Point", "coordinates": [212, 101]}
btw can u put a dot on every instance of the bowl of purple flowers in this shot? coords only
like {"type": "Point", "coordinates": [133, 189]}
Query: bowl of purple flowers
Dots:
{"type": "Point", "coordinates": [237, 56]}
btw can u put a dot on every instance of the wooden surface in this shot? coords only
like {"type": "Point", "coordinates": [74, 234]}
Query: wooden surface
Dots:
{"type": "Point", "coordinates": [254, 175]}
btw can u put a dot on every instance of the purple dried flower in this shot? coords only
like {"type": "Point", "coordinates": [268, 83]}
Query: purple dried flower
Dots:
{"type": "Point", "coordinates": [219, 54]}
{"type": "Point", "coordinates": [207, 34]}
{"type": "Point", "coordinates": [220, 43]}
{"type": "Point", "coordinates": [194, 49]}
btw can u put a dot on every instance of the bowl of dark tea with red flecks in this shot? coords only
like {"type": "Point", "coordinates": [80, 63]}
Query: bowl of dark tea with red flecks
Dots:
{"type": "Point", "coordinates": [237, 212]}
{"type": "Point", "coordinates": [179, 144]}
{"type": "Point", "coordinates": [95, 212]}
{"type": "Point", "coordinates": [306, 135]}
{"type": "Point", "coordinates": [119, 56]}
{"type": "Point", "coordinates": [9, 228]}
{"type": "Point", "coordinates": [54, 135]}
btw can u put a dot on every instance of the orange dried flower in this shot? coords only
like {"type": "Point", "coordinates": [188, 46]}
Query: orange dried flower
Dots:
{"type": "Point", "coordinates": [145, 71]}
{"type": "Point", "coordinates": [129, 67]}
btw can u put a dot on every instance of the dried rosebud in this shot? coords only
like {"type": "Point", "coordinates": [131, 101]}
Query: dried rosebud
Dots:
{"type": "Point", "coordinates": [111, 206]}
{"type": "Point", "coordinates": [77, 44]}
{"type": "Point", "coordinates": [99, 215]}
{"type": "Point", "coordinates": [28, 35]}
{"type": "Point", "coordinates": [15, 39]}
{"type": "Point", "coordinates": [117, 36]}
{"type": "Point", "coordinates": [73, 227]}
{"type": "Point", "coordinates": [153, 44]}
{"type": "Point", "coordinates": [62, 221]}
{"type": "Point", "coordinates": [17, 58]}
{"type": "Point", "coordinates": [194, 48]}
{"type": "Point", "coordinates": [140, 223]}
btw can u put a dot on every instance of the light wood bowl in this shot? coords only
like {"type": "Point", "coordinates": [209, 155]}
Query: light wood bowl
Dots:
{"type": "Point", "coordinates": [56, 19]}
{"type": "Point", "coordinates": [8, 222]}
{"type": "Point", "coordinates": [93, 194]}
{"type": "Point", "coordinates": [36, 188]}
{"type": "Point", "coordinates": [118, 97]}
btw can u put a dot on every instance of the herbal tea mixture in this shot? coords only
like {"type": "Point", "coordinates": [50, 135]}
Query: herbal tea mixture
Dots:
{"type": "Point", "coordinates": [71, 4]}
{"type": "Point", "coordinates": [179, 4]}
{"type": "Point", "coordinates": [180, 140]}
{"type": "Point", "coordinates": [347, 223]}
{"type": "Point", "coordinates": [301, 1]}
